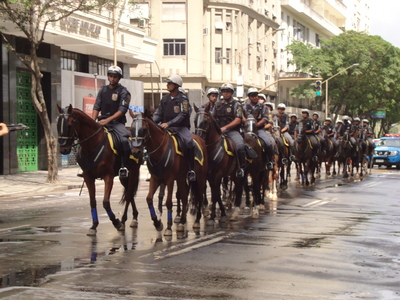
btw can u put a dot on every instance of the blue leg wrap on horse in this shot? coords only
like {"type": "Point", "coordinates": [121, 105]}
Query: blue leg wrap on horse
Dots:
{"type": "Point", "coordinates": [152, 211]}
{"type": "Point", "coordinates": [110, 213]}
{"type": "Point", "coordinates": [94, 215]}
{"type": "Point", "coordinates": [169, 214]}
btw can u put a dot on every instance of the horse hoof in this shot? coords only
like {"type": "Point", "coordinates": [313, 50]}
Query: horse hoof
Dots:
{"type": "Point", "coordinates": [206, 213]}
{"type": "Point", "coordinates": [180, 228]}
{"type": "Point", "coordinates": [121, 227]}
{"type": "Point", "coordinates": [274, 197]}
{"type": "Point", "coordinates": [255, 214]}
{"type": "Point", "coordinates": [160, 226]}
{"type": "Point", "coordinates": [177, 219]}
{"type": "Point", "coordinates": [196, 225]}
{"type": "Point", "coordinates": [92, 232]}
{"type": "Point", "coordinates": [168, 232]}
{"type": "Point", "coordinates": [210, 222]}
{"type": "Point", "coordinates": [235, 214]}
{"type": "Point", "coordinates": [134, 224]}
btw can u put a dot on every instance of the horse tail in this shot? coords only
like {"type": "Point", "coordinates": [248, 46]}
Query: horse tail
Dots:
{"type": "Point", "coordinates": [131, 185]}
{"type": "Point", "coordinates": [196, 202]}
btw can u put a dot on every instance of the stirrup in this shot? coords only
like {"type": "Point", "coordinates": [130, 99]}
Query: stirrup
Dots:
{"type": "Point", "coordinates": [191, 176]}
{"type": "Point", "coordinates": [80, 173]}
{"type": "Point", "coordinates": [292, 158]}
{"type": "Point", "coordinates": [123, 173]}
{"type": "Point", "coordinates": [269, 165]}
{"type": "Point", "coordinates": [240, 173]}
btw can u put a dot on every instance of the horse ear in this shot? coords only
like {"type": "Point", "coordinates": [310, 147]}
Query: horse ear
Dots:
{"type": "Point", "coordinates": [207, 109]}
{"type": "Point", "coordinates": [196, 109]}
{"type": "Point", "coordinates": [70, 109]}
{"type": "Point", "coordinates": [59, 108]}
{"type": "Point", "coordinates": [146, 113]}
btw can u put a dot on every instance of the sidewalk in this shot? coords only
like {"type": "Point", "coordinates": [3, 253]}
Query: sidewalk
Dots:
{"type": "Point", "coordinates": [25, 183]}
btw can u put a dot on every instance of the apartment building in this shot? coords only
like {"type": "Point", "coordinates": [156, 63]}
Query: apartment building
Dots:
{"type": "Point", "coordinates": [211, 42]}
{"type": "Point", "coordinates": [74, 59]}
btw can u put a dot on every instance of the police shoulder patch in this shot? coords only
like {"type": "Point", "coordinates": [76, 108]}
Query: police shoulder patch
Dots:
{"type": "Point", "coordinates": [185, 105]}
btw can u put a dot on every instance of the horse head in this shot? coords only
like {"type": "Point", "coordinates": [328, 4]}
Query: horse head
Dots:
{"type": "Point", "coordinates": [66, 129]}
{"type": "Point", "coordinates": [204, 122]}
{"type": "Point", "coordinates": [139, 132]}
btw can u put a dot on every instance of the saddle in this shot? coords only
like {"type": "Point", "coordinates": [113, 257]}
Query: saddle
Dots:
{"type": "Point", "coordinates": [180, 147]}
{"type": "Point", "coordinates": [116, 143]}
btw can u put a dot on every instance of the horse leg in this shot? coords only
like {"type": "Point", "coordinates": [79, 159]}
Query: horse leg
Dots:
{"type": "Point", "coordinates": [257, 197]}
{"type": "Point", "coordinates": [238, 191]}
{"type": "Point", "coordinates": [129, 196]}
{"type": "Point", "coordinates": [247, 190]}
{"type": "Point", "coordinates": [149, 199]}
{"type": "Point", "coordinates": [183, 190]}
{"type": "Point", "coordinates": [93, 206]}
{"type": "Point", "coordinates": [108, 185]}
{"type": "Point", "coordinates": [161, 194]}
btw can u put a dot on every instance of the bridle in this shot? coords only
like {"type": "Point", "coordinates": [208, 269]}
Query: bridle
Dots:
{"type": "Point", "coordinates": [63, 126]}
{"type": "Point", "coordinates": [206, 128]}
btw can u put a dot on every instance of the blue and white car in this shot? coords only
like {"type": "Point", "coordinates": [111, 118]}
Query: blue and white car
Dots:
{"type": "Point", "coordinates": [387, 151]}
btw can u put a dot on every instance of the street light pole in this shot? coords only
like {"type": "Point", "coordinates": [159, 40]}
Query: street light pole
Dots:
{"type": "Point", "coordinates": [326, 86]}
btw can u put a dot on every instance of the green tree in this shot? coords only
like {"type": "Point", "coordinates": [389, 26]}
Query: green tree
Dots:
{"type": "Point", "coordinates": [360, 90]}
{"type": "Point", "coordinates": [32, 17]}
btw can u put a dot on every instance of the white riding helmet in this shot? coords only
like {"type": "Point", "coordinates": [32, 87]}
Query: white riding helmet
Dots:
{"type": "Point", "coordinates": [269, 104]}
{"type": "Point", "coordinates": [252, 91]}
{"type": "Point", "coordinates": [212, 91]}
{"type": "Point", "coordinates": [315, 113]}
{"type": "Point", "coordinates": [328, 119]}
{"type": "Point", "coordinates": [293, 115]}
{"type": "Point", "coordinates": [227, 86]}
{"type": "Point", "coordinates": [357, 119]}
{"type": "Point", "coordinates": [305, 111]}
{"type": "Point", "coordinates": [346, 118]}
{"type": "Point", "coordinates": [115, 70]}
{"type": "Point", "coordinates": [339, 121]}
{"type": "Point", "coordinates": [175, 79]}
{"type": "Point", "coordinates": [181, 90]}
{"type": "Point", "coordinates": [282, 106]}
{"type": "Point", "coordinates": [365, 121]}
{"type": "Point", "coordinates": [262, 96]}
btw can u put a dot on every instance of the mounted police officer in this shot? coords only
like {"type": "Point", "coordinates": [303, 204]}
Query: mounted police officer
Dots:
{"type": "Point", "coordinates": [283, 122]}
{"type": "Point", "coordinates": [212, 95]}
{"type": "Point", "coordinates": [259, 112]}
{"type": "Point", "coordinates": [347, 128]}
{"type": "Point", "coordinates": [308, 128]}
{"type": "Point", "coordinates": [228, 114]}
{"type": "Point", "coordinates": [318, 131]}
{"type": "Point", "coordinates": [112, 103]}
{"type": "Point", "coordinates": [369, 134]}
{"type": "Point", "coordinates": [261, 98]}
{"type": "Point", "coordinates": [330, 131]}
{"type": "Point", "coordinates": [174, 114]}
{"type": "Point", "coordinates": [293, 125]}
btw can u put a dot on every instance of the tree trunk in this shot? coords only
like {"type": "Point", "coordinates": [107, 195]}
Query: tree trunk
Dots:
{"type": "Point", "coordinates": [40, 106]}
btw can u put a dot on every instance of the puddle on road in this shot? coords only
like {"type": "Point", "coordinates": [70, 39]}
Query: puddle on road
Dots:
{"type": "Point", "coordinates": [309, 242]}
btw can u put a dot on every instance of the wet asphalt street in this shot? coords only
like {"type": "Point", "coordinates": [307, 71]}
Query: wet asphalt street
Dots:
{"type": "Point", "coordinates": [335, 240]}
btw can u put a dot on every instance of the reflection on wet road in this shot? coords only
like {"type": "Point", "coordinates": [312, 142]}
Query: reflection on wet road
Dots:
{"type": "Point", "coordinates": [335, 240]}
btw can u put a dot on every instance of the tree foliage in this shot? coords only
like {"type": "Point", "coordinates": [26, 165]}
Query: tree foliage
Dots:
{"type": "Point", "coordinates": [31, 18]}
{"type": "Point", "coordinates": [362, 89]}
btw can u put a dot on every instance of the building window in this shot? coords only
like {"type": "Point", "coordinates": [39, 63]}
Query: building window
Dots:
{"type": "Point", "coordinates": [317, 40]}
{"type": "Point", "coordinates": [174, 47]}
{"type": "Point", "coordinates": [173, 11]}
{"type": "Point", "coordinates": [103, 65]}
{"type": "Point", "coordinates": [74, 61]}
{"type": "Point", "coordinates": [218, 54]}
{"type": "Point", "coordinates": [249, 59]}
{"type": "Point", "coordinates": [228, 56]}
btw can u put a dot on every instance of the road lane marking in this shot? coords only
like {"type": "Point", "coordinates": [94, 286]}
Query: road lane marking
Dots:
{"type": "Point", "coordinates": [317, 203]}
{"type": "Point", "coordinates": [13, 228]}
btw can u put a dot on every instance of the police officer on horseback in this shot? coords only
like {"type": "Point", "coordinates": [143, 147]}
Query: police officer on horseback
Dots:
{"type": "Point", "coordinates": [283, 123]}
{"type": "Point", "coordinates": [368, 133]}
{"type": "Point", "coordinates": [174, 114]}
{"type": "Point", "coordinates": [347, 130]}
{"type": "Point", "coordinates": [293, 125]}
{"type": "Point", "coordinates": [318, 131]}
{"type": "Point", "coordinates": [308, 128]}
{"type": "Point", "coordinates": [262, 98]}
{"type": "Point", "coordinates": [330, 131]}
{"type": "Point", "coordinates": [212, 95]}
{"type": "Point", "coordinates": [259, 112]}
{"type": "Point", "coordinates": [228, 114]}
{"type": "Point", "coordinates": [112, 103]}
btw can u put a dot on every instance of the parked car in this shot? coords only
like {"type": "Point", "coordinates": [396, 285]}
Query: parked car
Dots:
{"type": "Point", "coordinates": [387, 151]}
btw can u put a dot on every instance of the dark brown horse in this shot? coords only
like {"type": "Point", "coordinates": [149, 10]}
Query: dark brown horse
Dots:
{"type": "Point", "coordinates": [330, 154]}
{"type": "Point", "coordinates": [222, 161]}
{"type": "Point", "coordinates": [97, 160]}
{"type": "Point", "coordinates": [283, 162]}
{"type": "Point", "coordinates": [167, 165]}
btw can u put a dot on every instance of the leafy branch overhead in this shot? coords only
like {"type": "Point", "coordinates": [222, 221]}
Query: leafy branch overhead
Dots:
{"type": "Point", "coordinates": [359, 90]}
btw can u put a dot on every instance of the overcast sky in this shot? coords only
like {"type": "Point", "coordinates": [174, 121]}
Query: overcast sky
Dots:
{"type": "Point", "coordinates": [385, 20]}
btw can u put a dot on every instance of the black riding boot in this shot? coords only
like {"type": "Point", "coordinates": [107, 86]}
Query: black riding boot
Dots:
{"type": "Point", "coordinates": [293, 153]}
{"type": "Point", "coordinates": [191, 175]}
{"type": "Point", "coordinates": [242, 163]}
{"type": "Point", "coordinates": [123, 171]}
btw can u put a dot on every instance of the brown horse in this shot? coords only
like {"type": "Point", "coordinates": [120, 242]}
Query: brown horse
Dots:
{"type": "Point", "coordinates": [283, 158]}
{"type": "Point", "coordinates": [330, 154]}
{"type": "Point", "coordinates": [167, 165]}
{"type": "Point", "coordinates": [222, 162]}
{"type": "Point", "coordinates": [97, 160]}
